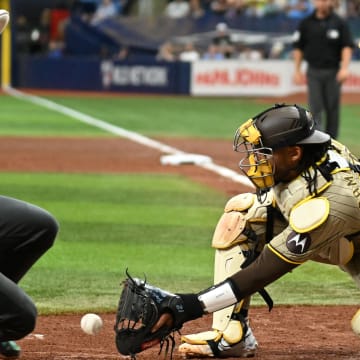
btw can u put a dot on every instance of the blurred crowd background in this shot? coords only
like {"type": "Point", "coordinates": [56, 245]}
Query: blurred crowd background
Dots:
{"type": "Point", "coordinates": [176, 30]}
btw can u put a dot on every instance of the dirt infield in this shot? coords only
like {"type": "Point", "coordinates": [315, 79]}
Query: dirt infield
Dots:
{"type": "Point", "coordinates": [287, 333]}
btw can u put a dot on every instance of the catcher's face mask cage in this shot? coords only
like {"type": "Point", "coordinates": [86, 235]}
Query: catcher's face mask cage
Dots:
{"type": "Point", "coordinates": [257, 164]}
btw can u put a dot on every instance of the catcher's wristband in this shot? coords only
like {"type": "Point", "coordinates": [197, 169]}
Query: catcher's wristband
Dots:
{"type": "Point", "coordinates": [218, 297]}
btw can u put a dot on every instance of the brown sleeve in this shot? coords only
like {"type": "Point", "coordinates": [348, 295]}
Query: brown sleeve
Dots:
{"type": "Point", "coordinates": [267, 268]}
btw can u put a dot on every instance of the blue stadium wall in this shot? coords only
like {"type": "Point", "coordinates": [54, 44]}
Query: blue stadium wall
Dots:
{"type": "Point", "coordinates": [77, 73]}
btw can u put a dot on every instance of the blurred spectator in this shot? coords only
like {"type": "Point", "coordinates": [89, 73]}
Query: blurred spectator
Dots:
{"type": "Point", "coordinates": [145, 8]}
{"type": "Point", "coordinates": [219, 7]}
{"type": "Point", "coordinates": [251, 54]}
{"type": "Point", "coordinates": [255, 8]}
{"type": "Point", "coordinates": [84, 8]}
{"type": "Point", "coordinates": [59, 18]}
{"type": "Point", "coordinates": [166, 52]}
{"type": "Point", "coordinates": [273, 8]}
{"type": "Point", "coordinates": [353, 9]}
{"type": "Point", "coordinates": [189, 53]}
{"type": "Point", "coordinates": [340, 7]}
{"type": "Point", "coordinates": [227, 8]}
{"type": "Point", "coordinates": [177, 9]}
{"type": "Point", "coordinates": [22, 33]}
{"type": "Point", "coordinates": [213, 53]}
{"type": "Point", "coordinates": [222, 39]}
{"type": "Point", "coordinates": [122, 54]}
{"type": "Point", "coordinates": [298, 9]}
{"type": "Point", "coordinates": [55, 49]}
{"type": "Point", "coordinates": [196, 9]}
{"type": "Point", "coordinates": [105, 10]}
{"type": "Point", "coordinates": [40, 34]}
{"type": "Point", "coordinates": [277, 50]}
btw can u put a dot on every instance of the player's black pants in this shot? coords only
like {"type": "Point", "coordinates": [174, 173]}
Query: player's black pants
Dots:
{"type": "Point", "coordinates": [324, 99]}
{"type": "Point", "coordinates": [26, 232]}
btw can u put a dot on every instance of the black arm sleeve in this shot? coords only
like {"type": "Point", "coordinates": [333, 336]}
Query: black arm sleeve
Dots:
{"type": "Point", "coordinates": [267, 268]}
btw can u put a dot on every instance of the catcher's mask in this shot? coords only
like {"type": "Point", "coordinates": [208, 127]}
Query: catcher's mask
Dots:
{"type": "Point", "coordinates": [279, 126]}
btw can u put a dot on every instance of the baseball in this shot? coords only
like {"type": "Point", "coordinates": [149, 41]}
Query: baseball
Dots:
{"type": "Point", "coordinates": [4, 19]}
{"type": "Point", "coordinates": [355, 323]}
{"type": "Point", "coordinates": [91, 324]}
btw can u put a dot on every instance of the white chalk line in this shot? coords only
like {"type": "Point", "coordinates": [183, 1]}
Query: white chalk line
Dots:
{"type": "Point", "coordinates": [130, 135]}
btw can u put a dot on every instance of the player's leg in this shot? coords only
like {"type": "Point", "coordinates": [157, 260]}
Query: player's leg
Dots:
{"type": "Point", "coordinates": [238, 237]}
{"type": "Point", "coordinates": [231, 334]}
{"type": "Point", "coordinates": [315, 94]}
{"type": "Point", "coordinates": [17, 311]}
{"type": "Point", "coordinates": [17, 316]}
{"type": "Point", "coordinates": [332, 90]}
{"type": "Point", "coordinates": [352, 267]}
{"type": "Point", "coordinates": [26, 233]}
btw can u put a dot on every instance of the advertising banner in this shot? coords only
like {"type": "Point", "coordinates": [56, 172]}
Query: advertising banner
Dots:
{"type": "Point", "coordinates": [256, 78]}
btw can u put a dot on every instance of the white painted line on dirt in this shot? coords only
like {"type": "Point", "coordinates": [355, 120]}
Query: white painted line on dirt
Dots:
{"type": "Point", "coordinates": [116, 130]}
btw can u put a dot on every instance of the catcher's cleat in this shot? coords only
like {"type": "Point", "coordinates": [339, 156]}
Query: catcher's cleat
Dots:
{"type": "Point", "coordinates": [213, 344]}
{"type": "Point", "coordinates": [9, 349]}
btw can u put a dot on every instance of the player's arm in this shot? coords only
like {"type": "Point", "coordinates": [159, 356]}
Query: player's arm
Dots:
{"type": "Point", "coordinates": [298, 58]}
{"type": "Point", "coordinates": [343, 73]}
{"type": "Point", "coordinates": [267, 268]}
{"type": "Point", "coordinates": [298, 54]}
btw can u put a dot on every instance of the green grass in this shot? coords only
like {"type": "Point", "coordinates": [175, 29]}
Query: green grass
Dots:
{"type": "Point", "coordinates": [169, 116]}
{"type": "Point", "coordinates": [160, 226]}
{"type": "Point", "coordinates": [315, 284]}
{"type": "Point", "coordinates": [156, 225]}
{"type": "Point", "coordinates": [150, 115]}
{"type": "Point", "coordinates": [21, 118]}
{"type": "Point", "coordinates": [349, 127]}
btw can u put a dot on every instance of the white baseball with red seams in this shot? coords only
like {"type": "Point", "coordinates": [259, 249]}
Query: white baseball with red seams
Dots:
{"type": "Point", "coordinates": [91, 324]}
{"type": "Point", "coordinates": [4, 19]}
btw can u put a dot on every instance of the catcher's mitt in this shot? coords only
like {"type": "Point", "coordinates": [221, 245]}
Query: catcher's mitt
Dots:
{"type": "Point", "coordinates": [139, 309]}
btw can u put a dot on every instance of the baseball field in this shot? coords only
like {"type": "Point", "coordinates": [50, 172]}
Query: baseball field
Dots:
{"type": "Point", "coordinates": [94, 161]}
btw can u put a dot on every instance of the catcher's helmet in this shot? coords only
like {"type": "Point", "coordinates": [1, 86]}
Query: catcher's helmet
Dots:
{"type": "Point", "coordinates": [284, 125]}
{"type": "Point", "coordinates": [279, 126]}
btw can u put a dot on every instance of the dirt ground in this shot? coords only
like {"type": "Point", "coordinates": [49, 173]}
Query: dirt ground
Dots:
{"type": "Point", "coordinates": [286, 333]}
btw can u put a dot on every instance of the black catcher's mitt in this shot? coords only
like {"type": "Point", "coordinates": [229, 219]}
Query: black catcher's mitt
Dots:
{"type": "Point", "coordinates": [139, 309]}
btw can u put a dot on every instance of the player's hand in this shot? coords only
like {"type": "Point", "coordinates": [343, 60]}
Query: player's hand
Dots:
{"type": "Point", "coordinates": [342, 75]}
{"type": "Point", "coordinates": [299, 78]}
{"type": "Point", "coordinates": [165, 319]}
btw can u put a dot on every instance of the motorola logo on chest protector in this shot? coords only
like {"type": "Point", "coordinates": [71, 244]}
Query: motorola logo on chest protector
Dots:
{"type": "Point", "coordinates": [298, 243]}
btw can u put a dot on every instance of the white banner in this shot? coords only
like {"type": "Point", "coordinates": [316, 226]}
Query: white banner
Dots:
{"type": "Point", "coordinates": [257, 78]}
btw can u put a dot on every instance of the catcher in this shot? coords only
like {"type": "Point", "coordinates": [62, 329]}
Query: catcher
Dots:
{"type": "Point", "coordinates": [240, 235]}
{"type": "Point", "coordinates": [314, 183]}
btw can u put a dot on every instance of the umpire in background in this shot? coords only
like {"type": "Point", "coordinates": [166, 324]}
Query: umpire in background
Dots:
{"type": "Point", "coordinates": [324, 40]}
